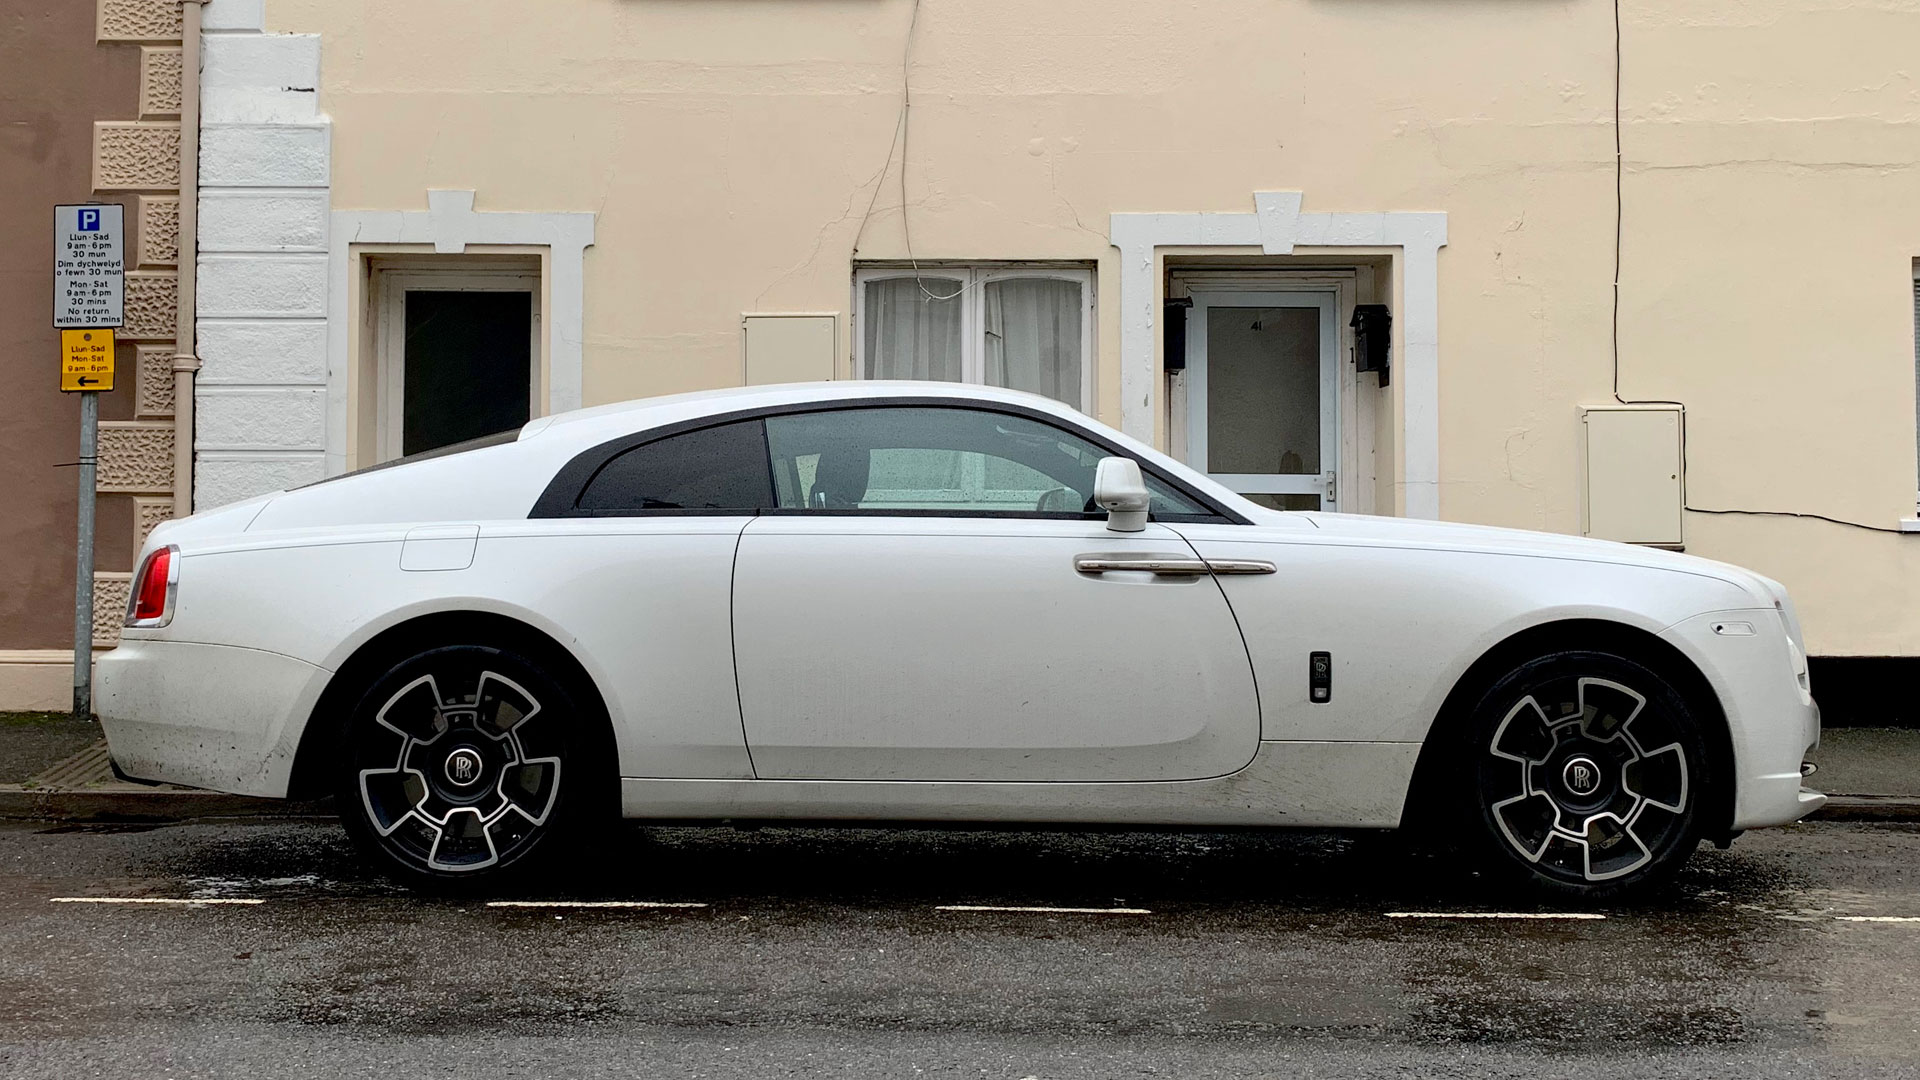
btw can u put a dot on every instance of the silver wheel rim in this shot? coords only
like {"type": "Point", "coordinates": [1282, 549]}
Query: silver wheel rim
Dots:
{"type": "Point", "coordinates": [1591, 786]}
{"type": "Point", "coordinates": [461, 792]}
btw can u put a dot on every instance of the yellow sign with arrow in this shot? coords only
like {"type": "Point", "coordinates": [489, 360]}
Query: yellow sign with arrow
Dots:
{"type": "Point", "coordinates": [86, 360]}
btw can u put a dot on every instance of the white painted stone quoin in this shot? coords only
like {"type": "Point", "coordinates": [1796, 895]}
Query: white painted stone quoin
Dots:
{"type": "Point", "coordinates": [261, 394]}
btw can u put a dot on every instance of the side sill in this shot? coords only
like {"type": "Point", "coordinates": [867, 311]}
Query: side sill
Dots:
{"type": "Point", "coordinates": [1309, 784]}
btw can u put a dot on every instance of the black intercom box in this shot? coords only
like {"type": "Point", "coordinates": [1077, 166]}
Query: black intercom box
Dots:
{"type": "Point", "coordinates": [1373, 339]}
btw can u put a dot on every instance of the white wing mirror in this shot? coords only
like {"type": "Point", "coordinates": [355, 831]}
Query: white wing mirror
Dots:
{"type": "Point", "coordinates": [1119, 490]}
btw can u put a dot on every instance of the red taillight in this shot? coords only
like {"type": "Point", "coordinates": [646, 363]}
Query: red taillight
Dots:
{"type": "Point", "coordinates": [150, 592]}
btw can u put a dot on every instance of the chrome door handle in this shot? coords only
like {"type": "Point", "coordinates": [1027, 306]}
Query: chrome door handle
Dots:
{"type": "Point", "coordinates": [1169, 565]}
{"type": "Point", "coordinates": [1163, 565]}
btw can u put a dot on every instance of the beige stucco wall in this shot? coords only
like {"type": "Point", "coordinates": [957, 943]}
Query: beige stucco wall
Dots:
{"type": "Point", "coordinates": [730, 148]}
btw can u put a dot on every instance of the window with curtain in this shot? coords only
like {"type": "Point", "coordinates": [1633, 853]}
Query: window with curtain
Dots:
{"type": "Point", "coordinates": [1023, 329]}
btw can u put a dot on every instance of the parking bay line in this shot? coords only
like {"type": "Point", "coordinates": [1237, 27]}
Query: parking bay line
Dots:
{"type": "Point", "coordinates": [1878, 918]}
{"type": "Point", "coordinates": [1541, 915]}
{"type": "Point", "coordinates": [182, 901]}
{"type": "Point", "coordinates": [593, 904]}
{"type": "Point", "coordinates": [1046, 910]}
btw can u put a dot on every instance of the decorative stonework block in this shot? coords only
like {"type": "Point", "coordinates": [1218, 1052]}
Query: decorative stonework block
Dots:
{"type": "Point", "coordinates": [260, 79]}
{"type": "Point", "coordinates": [136, 456]}
{"type": "Point", "coordinates": [110, 592]}
{"type": "Point", "coordinates": [263, 352]}
{"type": "Point", "coordinates": [262, 286]}
{"type": "Point", "coordinates": [159, 230]}
{"type": "Point", "coordinates": [139, 20]}
{"type": "Point", "coordinates": [155, 390]}
{"type": "Point", "coordinates": [262, 221]}
{"type": "Point", "coordinates": [234, 15]}
{"type": "Point", "coordinates": [160, 67]}
{"type": "Point", "coordinates": [260, 418]}
{"type": "Point", "coordinates": [136, 155]}
{"type": "Point", "coordinates": [221, 479]}
{"type": "Point", "coordinates": [153, 298]}
{"type": "Point", "coordinates": [148, 513]}
{"type": "Point", "coordinates": [263, 155]}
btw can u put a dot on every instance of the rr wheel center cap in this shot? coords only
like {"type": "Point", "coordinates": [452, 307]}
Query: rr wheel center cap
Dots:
{"type": "Point", "coordinates": [464, 767]}
{"type": "Point", "coordinates": [1581, 775]}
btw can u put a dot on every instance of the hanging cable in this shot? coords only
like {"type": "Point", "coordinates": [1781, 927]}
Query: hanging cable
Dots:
{"type": "Point", "coordinates": [901, 128]}
{"type": "Point", "coordinates": [1619, 234]}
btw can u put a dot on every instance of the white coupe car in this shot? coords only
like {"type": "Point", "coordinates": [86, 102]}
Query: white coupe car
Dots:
{"type": "Point", "coordinates": [924, 602]}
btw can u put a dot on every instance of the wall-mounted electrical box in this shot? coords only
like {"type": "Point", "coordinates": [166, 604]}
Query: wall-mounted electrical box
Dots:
{"type": "Point", "coordinates": [1634, 473]}
{"type": "Point", "coordinates": [787, 348]}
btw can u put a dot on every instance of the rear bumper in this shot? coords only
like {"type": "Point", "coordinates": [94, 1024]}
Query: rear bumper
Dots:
{"type": "Point", "coordinates": [205, 716]}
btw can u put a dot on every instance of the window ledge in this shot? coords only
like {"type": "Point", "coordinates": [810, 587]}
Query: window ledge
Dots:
{"type": "Point", "coordinates": [1910, 525]}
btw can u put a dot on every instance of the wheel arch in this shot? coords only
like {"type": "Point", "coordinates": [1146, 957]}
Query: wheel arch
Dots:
{"type": "Point", "coordinates": [1439, 750]}
{"type": "Point", "coordinates": [315, 757]}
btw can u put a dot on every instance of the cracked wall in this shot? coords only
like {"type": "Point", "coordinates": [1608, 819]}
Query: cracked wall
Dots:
{"type": "Point", "coordinates": [731, 150]}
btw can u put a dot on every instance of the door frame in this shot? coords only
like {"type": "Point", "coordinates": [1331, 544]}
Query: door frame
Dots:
{"type": "Point", "coordinates": [1326, 300]}
{"type": "Point", "coordinates": [392, 338]}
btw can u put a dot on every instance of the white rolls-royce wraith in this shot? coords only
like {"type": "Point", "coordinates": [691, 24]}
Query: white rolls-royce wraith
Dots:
{"type": "Point", "coordinates": [924, 602]}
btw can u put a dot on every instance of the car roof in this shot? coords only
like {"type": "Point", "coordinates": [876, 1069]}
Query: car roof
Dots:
{"type": "Point", "coordinates": [607, 421]}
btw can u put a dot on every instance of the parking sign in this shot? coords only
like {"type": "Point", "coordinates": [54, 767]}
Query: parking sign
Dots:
{"type": "Point", "coordinates": [89, 267]}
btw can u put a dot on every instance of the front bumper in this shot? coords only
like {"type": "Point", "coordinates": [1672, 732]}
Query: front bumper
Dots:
{"type": "Point", "coordinates": [204, 716]}
{"type": "Point", "coordinates": [1772, 720]}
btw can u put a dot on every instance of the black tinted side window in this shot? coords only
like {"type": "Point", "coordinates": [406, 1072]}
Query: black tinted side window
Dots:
{"type": "Point", "coordinates": [716, 468]}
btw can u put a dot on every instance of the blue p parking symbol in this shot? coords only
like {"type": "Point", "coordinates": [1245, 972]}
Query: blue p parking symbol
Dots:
{"type": "Point", "coordinates": [89, 220]}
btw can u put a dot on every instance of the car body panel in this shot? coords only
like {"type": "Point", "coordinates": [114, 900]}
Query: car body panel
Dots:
{"type": "Point", "coordinates": [304, 579]}
{"type": "Point", "coordinates": [939, 648]}
{"type": "Point", "coordinates": [641, 603]}
{"type": "Point", "coordinates": [1404, 623]}
{"type": "Point", "coordinates": [191, 713]}
{"type": "Point", "coordinates": [1772, 720]}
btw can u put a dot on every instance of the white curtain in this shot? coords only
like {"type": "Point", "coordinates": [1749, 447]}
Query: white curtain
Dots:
{"type": "Point", "coordinates": [1033, 336]}
{"type": "Point", "coordinates": [910, 335]}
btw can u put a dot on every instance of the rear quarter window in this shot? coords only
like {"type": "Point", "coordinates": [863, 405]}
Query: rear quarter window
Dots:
{"type": "Point", "coordinates": [712, 469]}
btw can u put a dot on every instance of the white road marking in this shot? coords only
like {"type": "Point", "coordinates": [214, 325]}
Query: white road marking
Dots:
{"type": "Point", "coordinates": [148, 900]}
{"type": "Point", "coordinates": [1494, 915]}
{"type": "Point", "coordinates": [591, 904]}
{"type": "Point", "coordinates": [1048, 910]}
{"type": "Point", "coordinates": [1879, 918]}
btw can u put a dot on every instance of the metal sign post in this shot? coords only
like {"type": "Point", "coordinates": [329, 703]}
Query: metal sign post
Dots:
{"type": "Point", "coordinates": [89, 297]}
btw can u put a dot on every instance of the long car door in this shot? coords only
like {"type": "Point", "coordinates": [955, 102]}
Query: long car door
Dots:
{"type": "Point", "coordinates": [933, 602]}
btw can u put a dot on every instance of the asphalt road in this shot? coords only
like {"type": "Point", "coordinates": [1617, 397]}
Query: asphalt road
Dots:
{"type": "Point", "coordinates": [827, 953]}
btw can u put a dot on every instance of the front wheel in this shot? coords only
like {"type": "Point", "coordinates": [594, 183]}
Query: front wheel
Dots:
{"type": "Point", "coordinates": [464, 763]}
{"type": "Point", "coordinates": [1590, 773]}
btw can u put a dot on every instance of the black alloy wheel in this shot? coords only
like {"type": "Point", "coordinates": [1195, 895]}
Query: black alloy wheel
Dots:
{"type": "Point", "coordinates": [1590, 773]}
{"type": "Point", "coordinates": [464, 762]}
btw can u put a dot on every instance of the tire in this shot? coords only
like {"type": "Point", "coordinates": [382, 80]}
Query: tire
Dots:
{"type": "Point", "coordinates": [1589, 775]}
{"type": "Point", "coordinates": [470, 764]}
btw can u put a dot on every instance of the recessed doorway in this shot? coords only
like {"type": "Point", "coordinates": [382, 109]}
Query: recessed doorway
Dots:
{"type": "Point", "coordinates": [1263, 394]}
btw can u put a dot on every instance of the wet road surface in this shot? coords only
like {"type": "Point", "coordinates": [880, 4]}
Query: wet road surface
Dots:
{"type": "Point", "coordinates": [836, 952]}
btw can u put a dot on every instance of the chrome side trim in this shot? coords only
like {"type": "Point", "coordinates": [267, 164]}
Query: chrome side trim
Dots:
{"type": "Point", "coordinates": [1169, 565]}
{"type": "Point", "coordinates": [1240, 566]}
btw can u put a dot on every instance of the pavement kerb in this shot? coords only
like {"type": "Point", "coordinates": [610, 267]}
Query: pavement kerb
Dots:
{"type": "Point", "coordinates": [165, 804]}
{"type": "Point", "coordinates": [172, 804]}
{"type": "Point", "coordinates": [1896, 808]}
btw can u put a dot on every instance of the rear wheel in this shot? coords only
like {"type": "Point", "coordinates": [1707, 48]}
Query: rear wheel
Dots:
{"type": "Point", "coordinates": [1589, 773]}
{"type": "Point", "coordinates": [466, 763]}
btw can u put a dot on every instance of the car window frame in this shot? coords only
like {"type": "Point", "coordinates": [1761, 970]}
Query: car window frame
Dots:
{"type": "Point", "coordinates": [561, 496]}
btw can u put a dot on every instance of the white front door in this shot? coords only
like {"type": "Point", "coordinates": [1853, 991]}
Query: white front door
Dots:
{"type": "Point", "coordinates": [927, 648]}
{"type": "Point", "coordinates": [934, 600]}
{"type": "Point", "coordinates": [1263, 395]}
